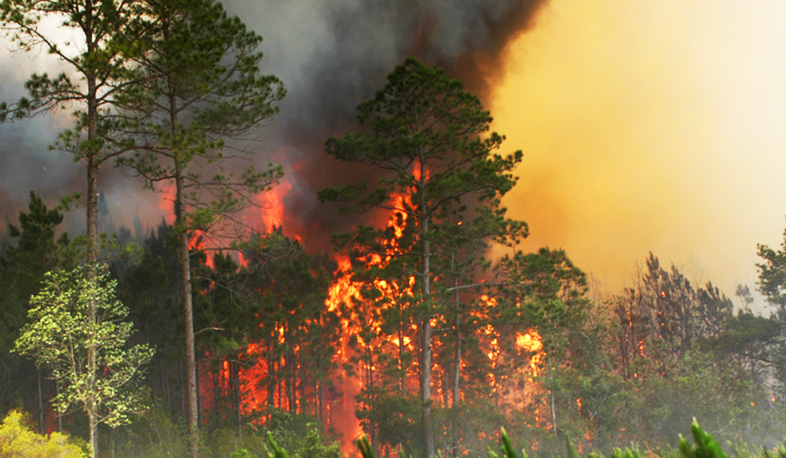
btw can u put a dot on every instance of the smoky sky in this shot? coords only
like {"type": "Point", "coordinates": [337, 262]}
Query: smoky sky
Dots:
{"type": "Point", "coordinates": [333, 55]}
{"type": "Point", "coordinates": [330, 54]}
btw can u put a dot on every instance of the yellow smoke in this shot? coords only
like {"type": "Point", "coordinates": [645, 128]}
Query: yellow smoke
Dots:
{"type": "Point", "coordinates": [650, 126]}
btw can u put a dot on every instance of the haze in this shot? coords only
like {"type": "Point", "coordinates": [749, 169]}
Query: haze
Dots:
{"type": "Point", "coordinates": [650, 126]}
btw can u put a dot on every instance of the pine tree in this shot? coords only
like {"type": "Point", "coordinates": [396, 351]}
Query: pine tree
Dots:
{"type": "Point", "coordinates": [200, 83]}
{"type": "Point", "coordinates": [430, 140]}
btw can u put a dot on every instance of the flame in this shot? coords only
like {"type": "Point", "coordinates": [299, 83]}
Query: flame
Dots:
{"type": "Point", "coordinates": [271, 203]}
{"type": "Point", "coordinates": [198, 240]}
{"type": "Point", "coordinates": [531, 342]}
{"type": "Point", "coordinates": [166, 203]}
{"type": "Point", "coordinates": [347, 300]}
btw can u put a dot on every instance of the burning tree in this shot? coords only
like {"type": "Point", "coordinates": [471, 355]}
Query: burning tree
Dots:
{"type": "Point", "coordinates": [293, 336]}
{"type": "Point", "coordinates": [430, 140]}
{"type": "Point", "coordinates": [664, 317]}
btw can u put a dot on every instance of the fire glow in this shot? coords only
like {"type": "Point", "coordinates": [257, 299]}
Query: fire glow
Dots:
{"type": "Point", "coordinates": [345, 297]}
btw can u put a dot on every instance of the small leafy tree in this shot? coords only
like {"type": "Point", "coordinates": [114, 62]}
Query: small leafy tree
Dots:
{"type": "Point", "coordinates": [22, 267]}
{"type": "Point", "coordinates": [86, 355]}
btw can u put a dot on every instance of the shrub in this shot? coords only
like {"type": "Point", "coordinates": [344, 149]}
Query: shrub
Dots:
{"type": "Point", "coordinates": [17, 440]}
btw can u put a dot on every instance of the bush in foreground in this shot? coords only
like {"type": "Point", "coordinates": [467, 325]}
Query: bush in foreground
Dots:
{"type": "Point", "coordinates": [17, 440]}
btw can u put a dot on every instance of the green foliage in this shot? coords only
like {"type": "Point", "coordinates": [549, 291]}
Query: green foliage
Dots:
{"type": "Point", "coordinates": [705, 446]}
{"type": "Point", "coordinates": [242, 453]}
{"type": "Point", "coordinates": [113, 29]}
{"type": "Point", "coordinates": [772, 274]}
{"type": "Point", "coordinates": [72, 317]}
{"type": "Point", "coordinates": [277, 451]}
{"type": "Point", "coordinates": [507, 446]}
{"type": "Point", "coordinates": [152, 435]}
{"type": "Point", "coordinates": [365, 447]}
{"type": "Point", "coordinates": [22, 267]}
{"type": "Point", "coordinates": [199, 84]}
{"type": "Point", "coordinates": [17, 440]}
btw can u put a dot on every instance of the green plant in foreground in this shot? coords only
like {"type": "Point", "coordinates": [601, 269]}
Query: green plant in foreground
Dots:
{"type": "Point", "coordinates": [18, 440]}
{"type": "Point", "coordinates": [705, 446]}
{"type": "Point", "coordinates": [507, 448]}
{"type": "Point", "coordinates": [277, 452]}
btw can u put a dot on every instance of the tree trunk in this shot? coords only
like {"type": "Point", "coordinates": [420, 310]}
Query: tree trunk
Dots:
{"type": "Point", "coordinates": [217, 398]}
{"type": "Point", "coordinates": [238, 397]}
{"type": "Point", "coordinates": [425, 386]}
{"type": "Point", "coordinates": [457, 360]}
{"type": "Point", "coordinates": [456, 372]}
{"type": "Point", "coordinates": [59, 415]}
{"type": "Point", "coordinates": [318, 401]}
{"type": "Point", "coordinates": [401, 368]}
{"type": "Point", "coordinates": [271, 387]}
{"type": "Point", "coordinates": [425, 373]}
{"type": "Point", "coordinates": [553, 409]}
{"type": "Point", "coordinates": [291, 374]}
{"type": "Point", "coordinates": [93, 427]}
{"type": "Point", "coordinates": [188, 310]}
{"type": "Point", "coordinates": [92, 210]}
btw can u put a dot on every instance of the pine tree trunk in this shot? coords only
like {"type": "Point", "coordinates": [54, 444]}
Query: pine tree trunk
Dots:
{"type": "Point", "coordinates": [425, 373]}
{"type": "Point", "coordinates": [59, 415]}
{"type": "Point", "coordinates": [188, 311]}
{"type": "Point", "coordinates": [402, 370]}
{"type": "Point", "coordinates": [92, 208]}
{"type": "Point", "coordinates": [238, 397]}
{"type": "Point", "coordinates": [291, 382]}
{"type": "Point", "coordinates": [271, 394]}
{"type": "Point", "coordinates": [456, 368]}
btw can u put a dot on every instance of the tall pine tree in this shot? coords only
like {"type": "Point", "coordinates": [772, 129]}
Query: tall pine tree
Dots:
{"type": "Point", "coordinates": [430, 140]}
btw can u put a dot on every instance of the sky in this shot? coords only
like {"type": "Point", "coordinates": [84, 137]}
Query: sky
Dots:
{"type": "Point", "coordinates": [645, 126]}
{"type": "Point", "coordinates": [650, 126]}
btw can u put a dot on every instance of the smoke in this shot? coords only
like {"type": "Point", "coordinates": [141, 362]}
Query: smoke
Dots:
{"type": "Point", "coordinates": [333, 55]}
{"type": "Point", "coordinates": [330, 54]}
{"type": "Point", "coordinates": [650, 126]}
{"type": "Point", "coordinates": [645, 126]}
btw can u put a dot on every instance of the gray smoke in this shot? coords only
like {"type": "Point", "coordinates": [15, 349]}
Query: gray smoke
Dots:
{"type": "Point", "coordinates": [330, 54]}
{"type": "Point", "coordinates": [334, 54]}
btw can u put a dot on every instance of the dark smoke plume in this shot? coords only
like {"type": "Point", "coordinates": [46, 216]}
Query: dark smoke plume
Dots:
{"type": "Point", "coordinates": [331, 55]}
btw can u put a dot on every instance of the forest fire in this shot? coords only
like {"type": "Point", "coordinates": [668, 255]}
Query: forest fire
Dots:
{"type": "Point", "coordinates": [275, 373]}
{"type": "Point", "coordinates": [437, 320]}
{"type": "Point", "coordinates": [358, 305]}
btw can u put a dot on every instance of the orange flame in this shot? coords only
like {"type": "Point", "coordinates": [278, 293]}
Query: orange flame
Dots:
{"type": "Point", "coordinates": [271, 202]}
{"type": "Point", "coordinates": [531, 342]}
{"type": "Point", "coordinates": [166, 203]}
